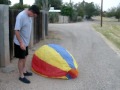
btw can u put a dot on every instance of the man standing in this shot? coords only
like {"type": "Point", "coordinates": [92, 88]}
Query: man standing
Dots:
{"type": "Point", "coordinates": [22, 39]}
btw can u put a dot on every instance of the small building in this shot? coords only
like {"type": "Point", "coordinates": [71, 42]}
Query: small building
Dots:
{"type": "Point", "coordinates": [53, 10]}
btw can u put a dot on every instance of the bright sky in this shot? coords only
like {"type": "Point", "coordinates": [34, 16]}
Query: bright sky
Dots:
{"type": "Point", "coordinates": [106, 3]}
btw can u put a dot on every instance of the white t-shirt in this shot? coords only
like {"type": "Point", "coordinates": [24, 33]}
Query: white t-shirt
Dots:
{"type": "Point", "coordinates": [23, 24]}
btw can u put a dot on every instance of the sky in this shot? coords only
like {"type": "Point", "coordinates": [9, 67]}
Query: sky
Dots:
{"type": "Point", "coordinates": [106, 3]}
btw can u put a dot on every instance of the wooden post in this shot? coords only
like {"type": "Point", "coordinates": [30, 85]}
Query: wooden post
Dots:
{"type": "Point", "coordinates": [101, 12]}
{"type": "Point", "coordinates": [43, 20]}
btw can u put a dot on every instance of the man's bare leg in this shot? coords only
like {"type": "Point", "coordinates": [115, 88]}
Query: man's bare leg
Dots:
{"type": "Point", "coordinates": [24, 65]}
{"type": "Point", "coordinates": [21, 64]}
{"type": "Point", "coordinates": [25, 72]}
{"type": "Point", "coordinates": [21, 67]}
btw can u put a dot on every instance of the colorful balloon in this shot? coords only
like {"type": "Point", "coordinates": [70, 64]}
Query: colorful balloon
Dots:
{"type": "Point", "coordinates": [54, 61]}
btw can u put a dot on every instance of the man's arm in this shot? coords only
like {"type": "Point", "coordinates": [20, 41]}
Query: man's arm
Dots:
{"type": "Point", "coordinates": [17, 33]}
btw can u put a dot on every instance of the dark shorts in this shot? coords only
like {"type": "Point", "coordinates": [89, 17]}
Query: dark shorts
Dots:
{"type": "Point", "coordinates": [19, 53]}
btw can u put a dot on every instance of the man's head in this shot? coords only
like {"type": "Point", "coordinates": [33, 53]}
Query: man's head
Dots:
{"type": "Point", "coordinates": [33, 11]}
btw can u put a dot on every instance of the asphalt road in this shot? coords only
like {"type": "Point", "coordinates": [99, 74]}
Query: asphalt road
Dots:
{"type": "Point", "coordinates": [99, 65]}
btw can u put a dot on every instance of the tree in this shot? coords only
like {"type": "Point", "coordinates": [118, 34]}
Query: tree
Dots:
{"type": "Point", "coordinates": [38, 3]}
{"type": "Point", "coordinates": [97, 10]}
{"type": "Point", "coordinates": [69, 10]}
{"type": "Point", "coordinates": [7, 2]}
{"type": "Point", "coordinates": [21, 2]}
{"type": "Point", "coordinates": [66, 10]}
{"type": "Point", "coordinates": [111, 12]}
{"type": "Point", "coordinates": [89, 10]}
{"type": "Point", "coordinates": [114, 12]}
{"type": "Point", "coordinates": [52, 3]}
{"type": "Point", "coordinates": [117, 15]}
{"type": "Point", "coordinates": [79, 7]}
{"type": "Point", "coordinates": [55, 3]}
{"type": "Point", "coordinates": [19, 6]}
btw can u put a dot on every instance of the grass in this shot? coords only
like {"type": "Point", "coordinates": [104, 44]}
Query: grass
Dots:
{"type": "Point", "coordinates": [105, 19]}
{"type": "Point", "coordinates": [110, 29]}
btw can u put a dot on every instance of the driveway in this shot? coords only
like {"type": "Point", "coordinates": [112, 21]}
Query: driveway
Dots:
{"type": "Point", "coordinates": [99, 65]}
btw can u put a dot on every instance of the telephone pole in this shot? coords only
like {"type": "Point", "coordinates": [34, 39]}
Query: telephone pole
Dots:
{"type": "Point", "coordinates": [21, 2]}
{"type": "Point", "coordinates": [44, 18]}
{"type": "Point", "coordinates": [101, 12]}
{"type": "Point", "coordinates": [70, 3]}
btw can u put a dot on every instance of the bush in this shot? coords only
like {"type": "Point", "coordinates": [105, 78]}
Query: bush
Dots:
{"type": "Point", "coordinates": [53, 17]}
{"type": "Point", "coordinates": [79, 18]}
{"type": "Point", "coordinates": [19, 6]}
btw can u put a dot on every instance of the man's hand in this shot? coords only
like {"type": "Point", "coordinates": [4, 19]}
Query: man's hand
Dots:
{"type": "Point", "coordinates": [22, 46]}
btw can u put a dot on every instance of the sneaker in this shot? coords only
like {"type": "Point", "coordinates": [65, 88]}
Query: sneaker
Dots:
{"type": "Point", "coordinates": [28, 74]}
{"type": "Point", "coordinates": [24, 80]}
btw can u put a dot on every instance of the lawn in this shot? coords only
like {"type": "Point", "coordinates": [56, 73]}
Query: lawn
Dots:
{"type": "Point", "coordinates": [110, 29]}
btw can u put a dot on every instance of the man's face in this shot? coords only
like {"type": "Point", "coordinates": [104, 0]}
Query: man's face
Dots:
{"type": "Point", "coordinates": [32, 14]}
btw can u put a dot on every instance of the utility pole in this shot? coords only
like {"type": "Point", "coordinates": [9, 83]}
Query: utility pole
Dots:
{"type": "Point", "coordinates": [101, 12]}
{"type": "Point", "coordinates": [71, 16]}
{"type": "Point", "coordinates": [45, 18]}
{"type": "Point", "coordinates": [83, 9]}
{"type": "Point", "coordinates": [47, 9]}
{"type": "Point", "coordinates": [70, 3]}
{"type": "Point", "coordinates": [21, 2]}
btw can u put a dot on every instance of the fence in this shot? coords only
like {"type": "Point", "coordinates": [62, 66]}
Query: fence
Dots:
{"type": "Point", "coordinates": [12, 19]}
{"type": "Point", "coordinates": [7, 23]}
{"type": "Point", "coordinates": [63, 19]}
{"type": "Point", "coordinates": [37, 29]}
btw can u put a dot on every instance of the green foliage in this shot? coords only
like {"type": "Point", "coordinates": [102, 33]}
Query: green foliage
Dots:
{"type": "Point", "coordinates": [71, 11]}
{"type": "Point", "coordinates": [51, 3]}
{"type": "Point", "coordinates": [81, 12]}
{"type": "Point", "coordinates": [21, 2]}
{"type": "Point", "coordinates": [114, 12]}
{"type": "Point", "coordinates": [55, 3]}
{"type": "Point", "coordinates": [19, 6]}
{"type": "Point", "coordinates": [97, 10]}
{"type": "Point", "coordinates": [38, 3]}
{"type": "Point", "coordinates": [111, 12]}
{"type": "Point", "coordinates": [53, 17]}
{"type": "Point", "coordinates": [89, 10]}
{"type": "Point", "coordinates": [7, 2]}
{"type": "Point", "coordinates": [74, 16]}
{"type": "Point", "coordinates": [118, 13]}
{"type": "Point", "coordinates": [79, 7]}
{"type": "Point", "coordinates": [66, 10]}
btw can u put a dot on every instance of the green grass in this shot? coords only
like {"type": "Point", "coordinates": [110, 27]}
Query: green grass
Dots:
{"type": "Point", "coordinates": [110, 29]}
{"type": "Point", "coordinates": [105, 19]}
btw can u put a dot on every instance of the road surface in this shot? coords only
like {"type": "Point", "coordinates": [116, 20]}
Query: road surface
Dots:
{"type": "Point", "coordinates": [99, 65]}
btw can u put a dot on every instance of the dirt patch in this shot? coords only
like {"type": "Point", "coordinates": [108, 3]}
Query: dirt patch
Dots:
{"type": "Point", "coordinates": [54, 37]}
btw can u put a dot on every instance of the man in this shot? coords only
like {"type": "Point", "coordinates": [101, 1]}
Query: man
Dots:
{"type": "Point", "coordinates": [22, 38]}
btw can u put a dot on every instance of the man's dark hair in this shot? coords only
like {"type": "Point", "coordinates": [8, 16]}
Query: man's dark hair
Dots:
{"type": "Point", "coordinates": [35, 9]}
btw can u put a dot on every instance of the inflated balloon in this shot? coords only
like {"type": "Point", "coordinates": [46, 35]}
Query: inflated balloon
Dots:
{"type": "Point", "coordinates": [54, 61]}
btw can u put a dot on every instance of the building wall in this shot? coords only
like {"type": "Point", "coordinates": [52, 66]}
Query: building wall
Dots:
{"type": "Point", "coordinates": [4, 36]}
{"type": "Point", "coordinates": [63, 19]}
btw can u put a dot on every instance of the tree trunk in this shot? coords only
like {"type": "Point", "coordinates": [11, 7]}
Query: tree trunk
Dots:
{"type": "Point", "coordinates": [21, 2]}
